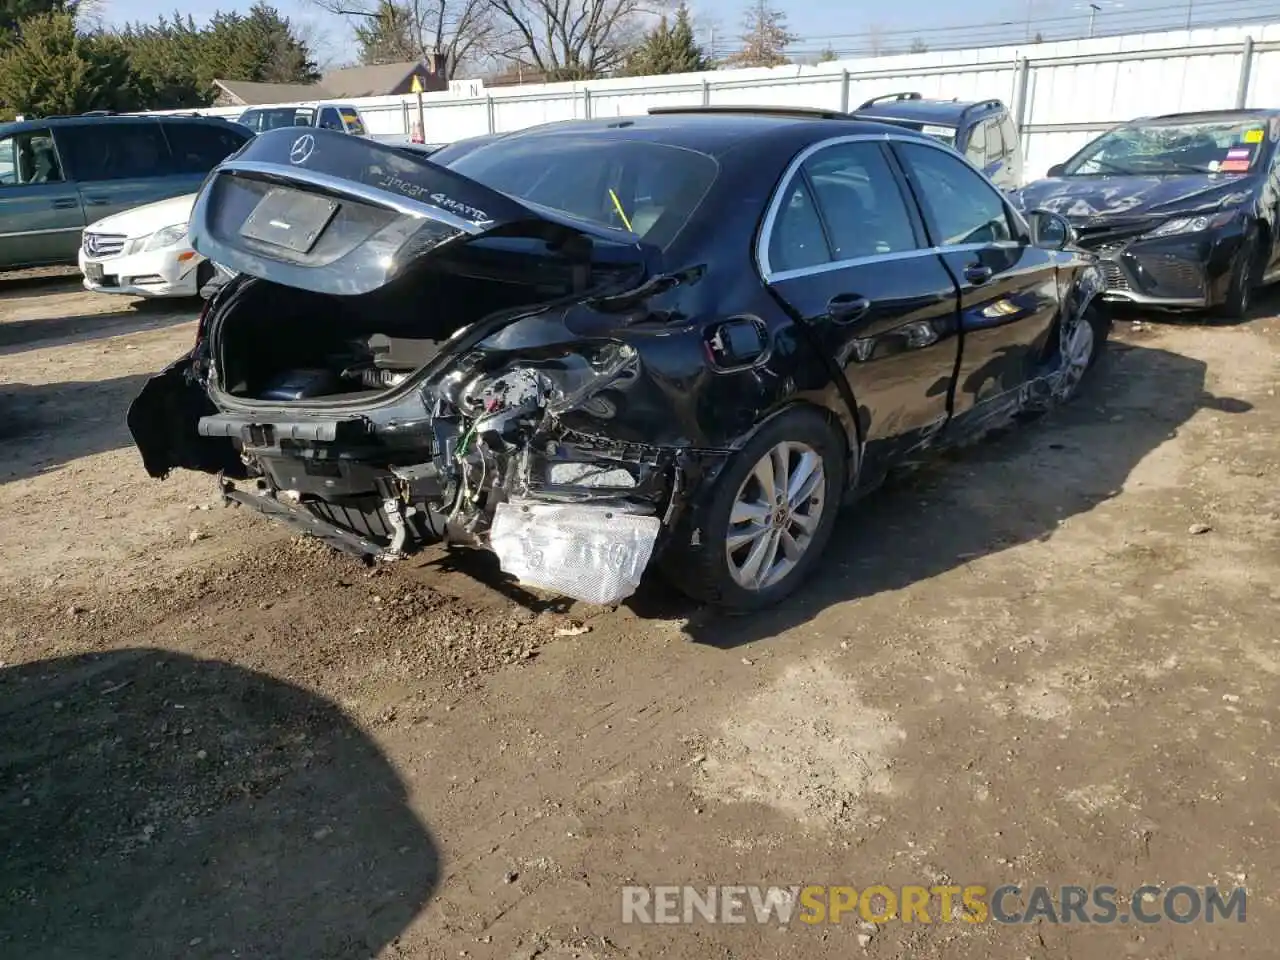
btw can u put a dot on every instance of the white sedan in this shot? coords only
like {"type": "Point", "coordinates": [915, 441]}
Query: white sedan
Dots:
{"type": "Point", "coordinates": [144, 252]}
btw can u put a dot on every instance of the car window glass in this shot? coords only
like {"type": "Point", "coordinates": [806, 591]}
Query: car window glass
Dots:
{"type": "Point", "coordinates": [797, 240]}
{"type": "Point", "coordinates": [329, 120]}
{"type": "Point", "coordinates": [962, 206]}
{"type": "Point", "coordinates": [1010, 135]}
{"type": "Point", "coordinates": [650, 189]}
{"type": "Point", "coordinates": [995, 143]}
{"type": "Point", "coordinates": [976, 148]}
{"type": "Point", "coordinates": [860, 201]}
{"type": "Point", "coordinates": [352, 119]}
{"type": "Point", "coordinates": [29, 157]}
{"type": "Point", "coordinates": [199, 147]}
{"type": "Point", "coordinates": [252, 119]}
{"type": "Point", "coordinates": [115, 151]}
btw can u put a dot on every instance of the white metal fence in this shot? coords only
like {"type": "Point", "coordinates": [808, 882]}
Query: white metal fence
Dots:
{"type": "Point", "coordinates": [1061, 93]}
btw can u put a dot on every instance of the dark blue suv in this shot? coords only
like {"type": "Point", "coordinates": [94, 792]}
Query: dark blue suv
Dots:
{"type": "Point", "coordinates": [982, 130]}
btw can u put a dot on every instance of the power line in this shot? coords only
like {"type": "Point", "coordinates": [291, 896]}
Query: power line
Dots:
{"type": "Point", "coordinates": [1131, 20]}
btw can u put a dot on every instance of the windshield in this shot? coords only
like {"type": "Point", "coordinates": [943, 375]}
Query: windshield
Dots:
{"type": "Point", "coordinates": [263, 120]}
{"type": "Point", "coordinates": [649, 189]}
{"type": "Point", "coordinates": [1232, 146]}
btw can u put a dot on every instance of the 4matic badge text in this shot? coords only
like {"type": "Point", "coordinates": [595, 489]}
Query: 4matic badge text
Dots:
{"type": "Point", "coordinates": [420, 192]}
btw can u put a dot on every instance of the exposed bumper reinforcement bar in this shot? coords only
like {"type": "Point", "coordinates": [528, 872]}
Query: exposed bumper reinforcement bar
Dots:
{"type": "Point", "coordinates": [306, 522]}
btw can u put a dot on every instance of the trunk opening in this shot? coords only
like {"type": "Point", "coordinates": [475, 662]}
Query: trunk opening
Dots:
{"type": "Point", "coordinates": [280, 344]}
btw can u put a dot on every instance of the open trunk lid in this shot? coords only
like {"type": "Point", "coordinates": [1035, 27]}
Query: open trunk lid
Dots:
{"type": "Point", "coordinates": [332, 213]}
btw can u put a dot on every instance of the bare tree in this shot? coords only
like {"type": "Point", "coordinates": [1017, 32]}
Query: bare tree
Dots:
{"type": "Point", "coordinates": [568, 39]}
{"type": "Point", "coordinates": [875, 39]}
{"type": "Point", "coordinates": [459, 31]}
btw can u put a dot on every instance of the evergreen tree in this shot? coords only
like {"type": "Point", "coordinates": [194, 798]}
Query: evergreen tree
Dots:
{"type": "Point", "coordinates": [669, 48]}
{"type": "Point", "coordinates": [14, 12]}
{"type": "Point", "coordinates": [52, 69]}
{"type": "Point", "coordinates": [918, 46]}
{"type": "Point", "coordinates": [828, 55]}
{"type": "Point", "coordinates": [388, 37]}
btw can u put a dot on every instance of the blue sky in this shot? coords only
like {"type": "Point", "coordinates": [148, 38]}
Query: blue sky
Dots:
{"type": "Point", "coordinates": [838, 23]}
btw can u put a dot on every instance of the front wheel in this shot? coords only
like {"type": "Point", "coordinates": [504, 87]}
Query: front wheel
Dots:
{"type": "Point", "coordinates": [1245, 276]}
{"type": "Point", "coordinates": [1080, 345]}
{"type": "Point", "coordinates": [769, 517]}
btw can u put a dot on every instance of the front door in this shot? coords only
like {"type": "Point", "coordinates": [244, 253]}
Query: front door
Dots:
{"type": "Point", "coordinates": [40, 215]}
{"type": "Point", "coordinates": [844, 248]}
{"type": "Point", "coordinates": [1008, 288]}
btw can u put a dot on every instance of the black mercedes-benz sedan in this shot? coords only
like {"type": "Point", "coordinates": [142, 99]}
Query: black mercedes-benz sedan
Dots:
{"type": "Point", "coordinates": [1181, 209]}
{"type": "Point", "coordinates": [676, 340]}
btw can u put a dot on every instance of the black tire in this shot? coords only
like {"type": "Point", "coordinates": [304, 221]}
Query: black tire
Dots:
{"type": "Point", "coordinates": [1098, 318]}
{"type": "Point", "coordinates": [1245, 277]}
{"type": "Point", "coordinates": [697, 562]}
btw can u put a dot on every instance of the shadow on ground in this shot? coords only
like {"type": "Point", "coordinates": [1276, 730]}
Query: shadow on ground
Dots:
{"type": "Point", "coordinates": [1011, 489]}
{"type": "Point", "coordinates": [46, 425]}
{"type": "Point", "coordinates": [157, 805]}
{"type": "Point", "coordinates": [17, 336]}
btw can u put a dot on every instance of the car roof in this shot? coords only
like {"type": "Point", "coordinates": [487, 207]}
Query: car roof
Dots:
{"type": "Point", "coordinates": [1208, 116]}
{"type": "Point", "coordinates": [918, 110]}
{"type": "Point", "coordinates": [45, 123]}
{"type": "Point", "coordinates": [710, 130]}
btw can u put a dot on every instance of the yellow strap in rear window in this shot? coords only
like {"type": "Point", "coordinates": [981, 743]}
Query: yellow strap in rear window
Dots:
{"type": "Point", "coordinates": [1253, 136]}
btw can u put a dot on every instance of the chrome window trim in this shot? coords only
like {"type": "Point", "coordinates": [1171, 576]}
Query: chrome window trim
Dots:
{"type": "Point", "coordinates": [41, 233]}
{"type": "Point", "coordinates": [775, 203]}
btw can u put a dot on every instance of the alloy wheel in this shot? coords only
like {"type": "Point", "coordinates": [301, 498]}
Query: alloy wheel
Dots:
{"type": "Point", "coordinates": [775, 515]}
{"type": "Point", "coordinates": [1077, 351]}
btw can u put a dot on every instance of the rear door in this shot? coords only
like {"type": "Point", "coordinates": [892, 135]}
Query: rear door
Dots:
{"type": "Point", "coordinates": [844, 248]}
{"type": "Point", "coordinates": [40, 215]}
{"type": "Point", "coordinates": [1008, 288]}
{"type": "Point", "coordinates": [121, 164]}
{"type": "Point", "coordinates": [199, 147]}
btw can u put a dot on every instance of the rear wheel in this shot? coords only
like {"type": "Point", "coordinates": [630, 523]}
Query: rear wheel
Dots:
{"type": "Point", "coordinates": [769, 517]}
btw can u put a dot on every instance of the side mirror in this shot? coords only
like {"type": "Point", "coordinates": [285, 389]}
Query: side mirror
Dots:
{"type": "Point", "coordinates": [1050, 231]}
{"type": "Point", "coordinates": [1057, 170]}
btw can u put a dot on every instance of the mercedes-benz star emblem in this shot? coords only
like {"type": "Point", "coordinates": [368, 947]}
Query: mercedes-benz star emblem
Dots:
{"type": "Point", "coordinates": [302, 148]}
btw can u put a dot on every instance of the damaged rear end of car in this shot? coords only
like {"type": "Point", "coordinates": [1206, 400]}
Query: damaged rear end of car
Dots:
{"type": "Point", "coordinates": [407, 356]}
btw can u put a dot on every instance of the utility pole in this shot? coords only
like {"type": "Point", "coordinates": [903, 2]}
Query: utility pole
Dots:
{"type": "Point", "coordinates": [1029, 6]}
{"type": "Point", "coordinates": [1093, 12]}
{"type": "Point", "coordinates": [1190, 5]}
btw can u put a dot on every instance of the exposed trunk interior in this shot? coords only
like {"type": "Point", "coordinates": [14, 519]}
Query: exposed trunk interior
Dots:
{"type": "Point", "coordinates": [281, 344]}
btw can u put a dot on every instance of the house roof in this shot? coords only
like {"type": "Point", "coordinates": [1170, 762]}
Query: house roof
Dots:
{"type": "Point", "coordinates": [345, 84]}
{"type": "Point", "coordinates": [250, 94]}
{"type": "Point", "coordinates": [371, 81]}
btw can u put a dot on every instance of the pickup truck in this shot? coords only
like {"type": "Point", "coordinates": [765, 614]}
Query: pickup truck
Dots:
{"type": "Point", "coordinates": [327, 115]}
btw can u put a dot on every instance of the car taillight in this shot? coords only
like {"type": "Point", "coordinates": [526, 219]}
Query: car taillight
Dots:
{"type": "Point", "coordinates": [202, 321]}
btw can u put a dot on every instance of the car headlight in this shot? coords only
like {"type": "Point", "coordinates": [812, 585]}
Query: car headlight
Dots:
{"type": "Point", "coordinates": [1198, 224]}
{"type": "Point", "coordinates": [167, 237]}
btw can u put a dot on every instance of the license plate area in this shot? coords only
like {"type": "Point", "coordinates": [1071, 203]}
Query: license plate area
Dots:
{"type": "Point", "coordinates": [290, 219]}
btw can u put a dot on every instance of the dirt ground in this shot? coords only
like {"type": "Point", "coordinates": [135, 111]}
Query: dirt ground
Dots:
{"type": "Point", "coordinates": [1053, 659]}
